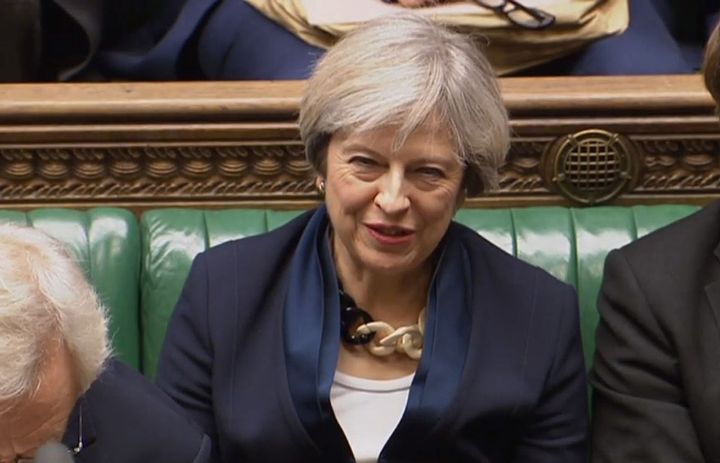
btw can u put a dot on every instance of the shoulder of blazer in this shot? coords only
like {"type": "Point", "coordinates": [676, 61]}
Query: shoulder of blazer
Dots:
{"type": "Point", "coordinates": [252, 267]}
{"type": "Point", "coordinates": [260, 250]}
{"type": "Point", "coordinates": [682, 243]}
{"type": "Point", "coordinates": [135, 421]}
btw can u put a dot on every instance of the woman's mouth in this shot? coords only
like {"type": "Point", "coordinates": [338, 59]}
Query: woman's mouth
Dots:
{"type": "Point", "coordinates": [390, 234]}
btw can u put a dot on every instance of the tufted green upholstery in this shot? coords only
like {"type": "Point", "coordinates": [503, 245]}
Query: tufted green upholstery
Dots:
{"type": "Point", "coordinates": [569, 243]}
{"type": "Point", "coordinates": [139, 272]}
{"type": "Point", "coordinates": [106, 243]}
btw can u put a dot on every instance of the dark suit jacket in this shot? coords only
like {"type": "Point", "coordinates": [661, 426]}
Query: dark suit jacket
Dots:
{"type": "Point", "coordinates": [126, 419]}
{"type": "Point", "coordinates": [47, 39]}
{"type": "Point", "coordinates": [72, 33]}
{"type": "Point", "coordinates": [656, 374]}
{"type": "Point", "coordinates": [521, 393]}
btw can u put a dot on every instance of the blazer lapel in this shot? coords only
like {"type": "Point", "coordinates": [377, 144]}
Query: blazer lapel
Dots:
{"type": "Point", "coordinates": [311, 337]}
{"type": "Point", "coordinates": [81, 435]}
{"type": "Point", "coordinates": [435, 386]}
{"type": "Point", "coordinates": [712, 289]}
{"type": "Point", "coordinates": [708, 436]}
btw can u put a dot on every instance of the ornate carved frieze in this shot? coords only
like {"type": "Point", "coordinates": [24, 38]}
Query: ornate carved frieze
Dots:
{"type": "Point", "coordinates": [576, 140]}
{"type": "Point", "coordinates": [521, 173]}
{"type": "Point", "coordinates": [689, 164]}
{"type": "Point", "coordinates": [587, 162]}
{"type": "Point", "coordinates": [626, 165]}
{"type": "Point", "coordinates": [157, 172]}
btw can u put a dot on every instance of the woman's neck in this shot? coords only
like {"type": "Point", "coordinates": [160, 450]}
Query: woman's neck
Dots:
{"type": "Point", "coordinates": [396, 298]}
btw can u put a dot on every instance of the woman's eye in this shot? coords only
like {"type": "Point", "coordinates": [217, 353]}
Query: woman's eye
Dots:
{"type": "Point", "coordinates": [431, 172]}
{"type": "Point", "coordinates": [361, 161]}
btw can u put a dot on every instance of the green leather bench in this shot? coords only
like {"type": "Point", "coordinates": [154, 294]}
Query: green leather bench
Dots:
{"type": "Point", "coordinates": [106, 243]}
{"type": "Point", "coordinates": [139, 269]}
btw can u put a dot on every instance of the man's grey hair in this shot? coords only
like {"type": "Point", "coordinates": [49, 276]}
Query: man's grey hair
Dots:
{"type": "Point", "coordinates": [405, 71]}
{"type": "Point", "coordinates": [45, 299]}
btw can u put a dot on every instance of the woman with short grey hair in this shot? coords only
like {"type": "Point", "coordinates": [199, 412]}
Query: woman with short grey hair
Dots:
{"type": "Point", "coordinates": [402, 71]}
{"type": "Point", "coordinates": [59, 382]}
{"type": "Point", "coordinates": [375, 329]}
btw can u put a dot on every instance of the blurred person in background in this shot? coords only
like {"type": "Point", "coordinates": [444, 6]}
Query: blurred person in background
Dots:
{"type": "Point", "coordinates": [230, 39]}
{"type": "Point", "coordinates": [59, 382]}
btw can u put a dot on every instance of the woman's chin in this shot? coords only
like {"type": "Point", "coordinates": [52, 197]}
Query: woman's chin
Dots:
{"type": "Point", "coordinates": [390, 265]}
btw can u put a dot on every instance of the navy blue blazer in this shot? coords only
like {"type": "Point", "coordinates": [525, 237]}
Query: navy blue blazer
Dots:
{"type": "Point", "coordinates": [210, 39]}
{"type": "Point", "coordinates": [127, 419]}
{"type": "Point", "coordinates": [517, 394]}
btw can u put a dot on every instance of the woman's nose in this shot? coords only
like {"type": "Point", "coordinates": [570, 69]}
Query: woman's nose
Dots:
{"type": "Point", "coordinates": [392, 196]}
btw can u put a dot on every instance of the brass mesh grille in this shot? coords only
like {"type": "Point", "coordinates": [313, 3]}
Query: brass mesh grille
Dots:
{"type": "Point", "coordinates": [592, 166]}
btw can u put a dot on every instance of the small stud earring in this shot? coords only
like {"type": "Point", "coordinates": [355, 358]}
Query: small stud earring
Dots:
{"type": "Point", "coordinates": [321, 186]}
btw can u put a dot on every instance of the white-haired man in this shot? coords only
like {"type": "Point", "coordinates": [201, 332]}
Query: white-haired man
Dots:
{"type": "Point", "coordinates": [59, 381]}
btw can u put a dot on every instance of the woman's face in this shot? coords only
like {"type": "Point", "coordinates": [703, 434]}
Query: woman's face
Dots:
{"type": "Point", "coordinates": [390, 208]}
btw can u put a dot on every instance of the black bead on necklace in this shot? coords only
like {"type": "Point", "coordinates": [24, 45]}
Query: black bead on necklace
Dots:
{"type": "Point", "coordinates": [352, 316]}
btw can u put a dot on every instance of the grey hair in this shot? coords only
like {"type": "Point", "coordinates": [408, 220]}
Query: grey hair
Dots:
{"type": "Point", "coordinates": [404, 71]}
{"type": "Point", "coordinates": [44, 299]}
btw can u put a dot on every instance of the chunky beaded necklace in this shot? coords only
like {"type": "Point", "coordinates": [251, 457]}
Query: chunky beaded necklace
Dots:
{"type": "Point", "coordinates": [357, 327]}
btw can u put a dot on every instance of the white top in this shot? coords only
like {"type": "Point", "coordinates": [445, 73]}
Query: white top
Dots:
{"type": "Point", "coordinates": [368, 411]}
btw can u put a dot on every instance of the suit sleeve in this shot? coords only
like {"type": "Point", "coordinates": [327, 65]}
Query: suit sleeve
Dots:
{"type": "Point", "coordinates": [186, 360]}
{"type": "Point", "coordinates": [557, 428]}
{"type": "Point", "coordinates": [639, 413]}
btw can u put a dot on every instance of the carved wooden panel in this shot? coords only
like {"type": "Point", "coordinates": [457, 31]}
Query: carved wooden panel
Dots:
{"type": "Point", "coordinates": [208, 144]}
{"type": "Point", "coordinates": [160, 172]}
{"type": "Point", "coordinates": [687, 164]}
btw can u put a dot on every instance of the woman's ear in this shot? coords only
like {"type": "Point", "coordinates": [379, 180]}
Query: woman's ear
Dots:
{"type": "Point", "coordinates": [320, 184]}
